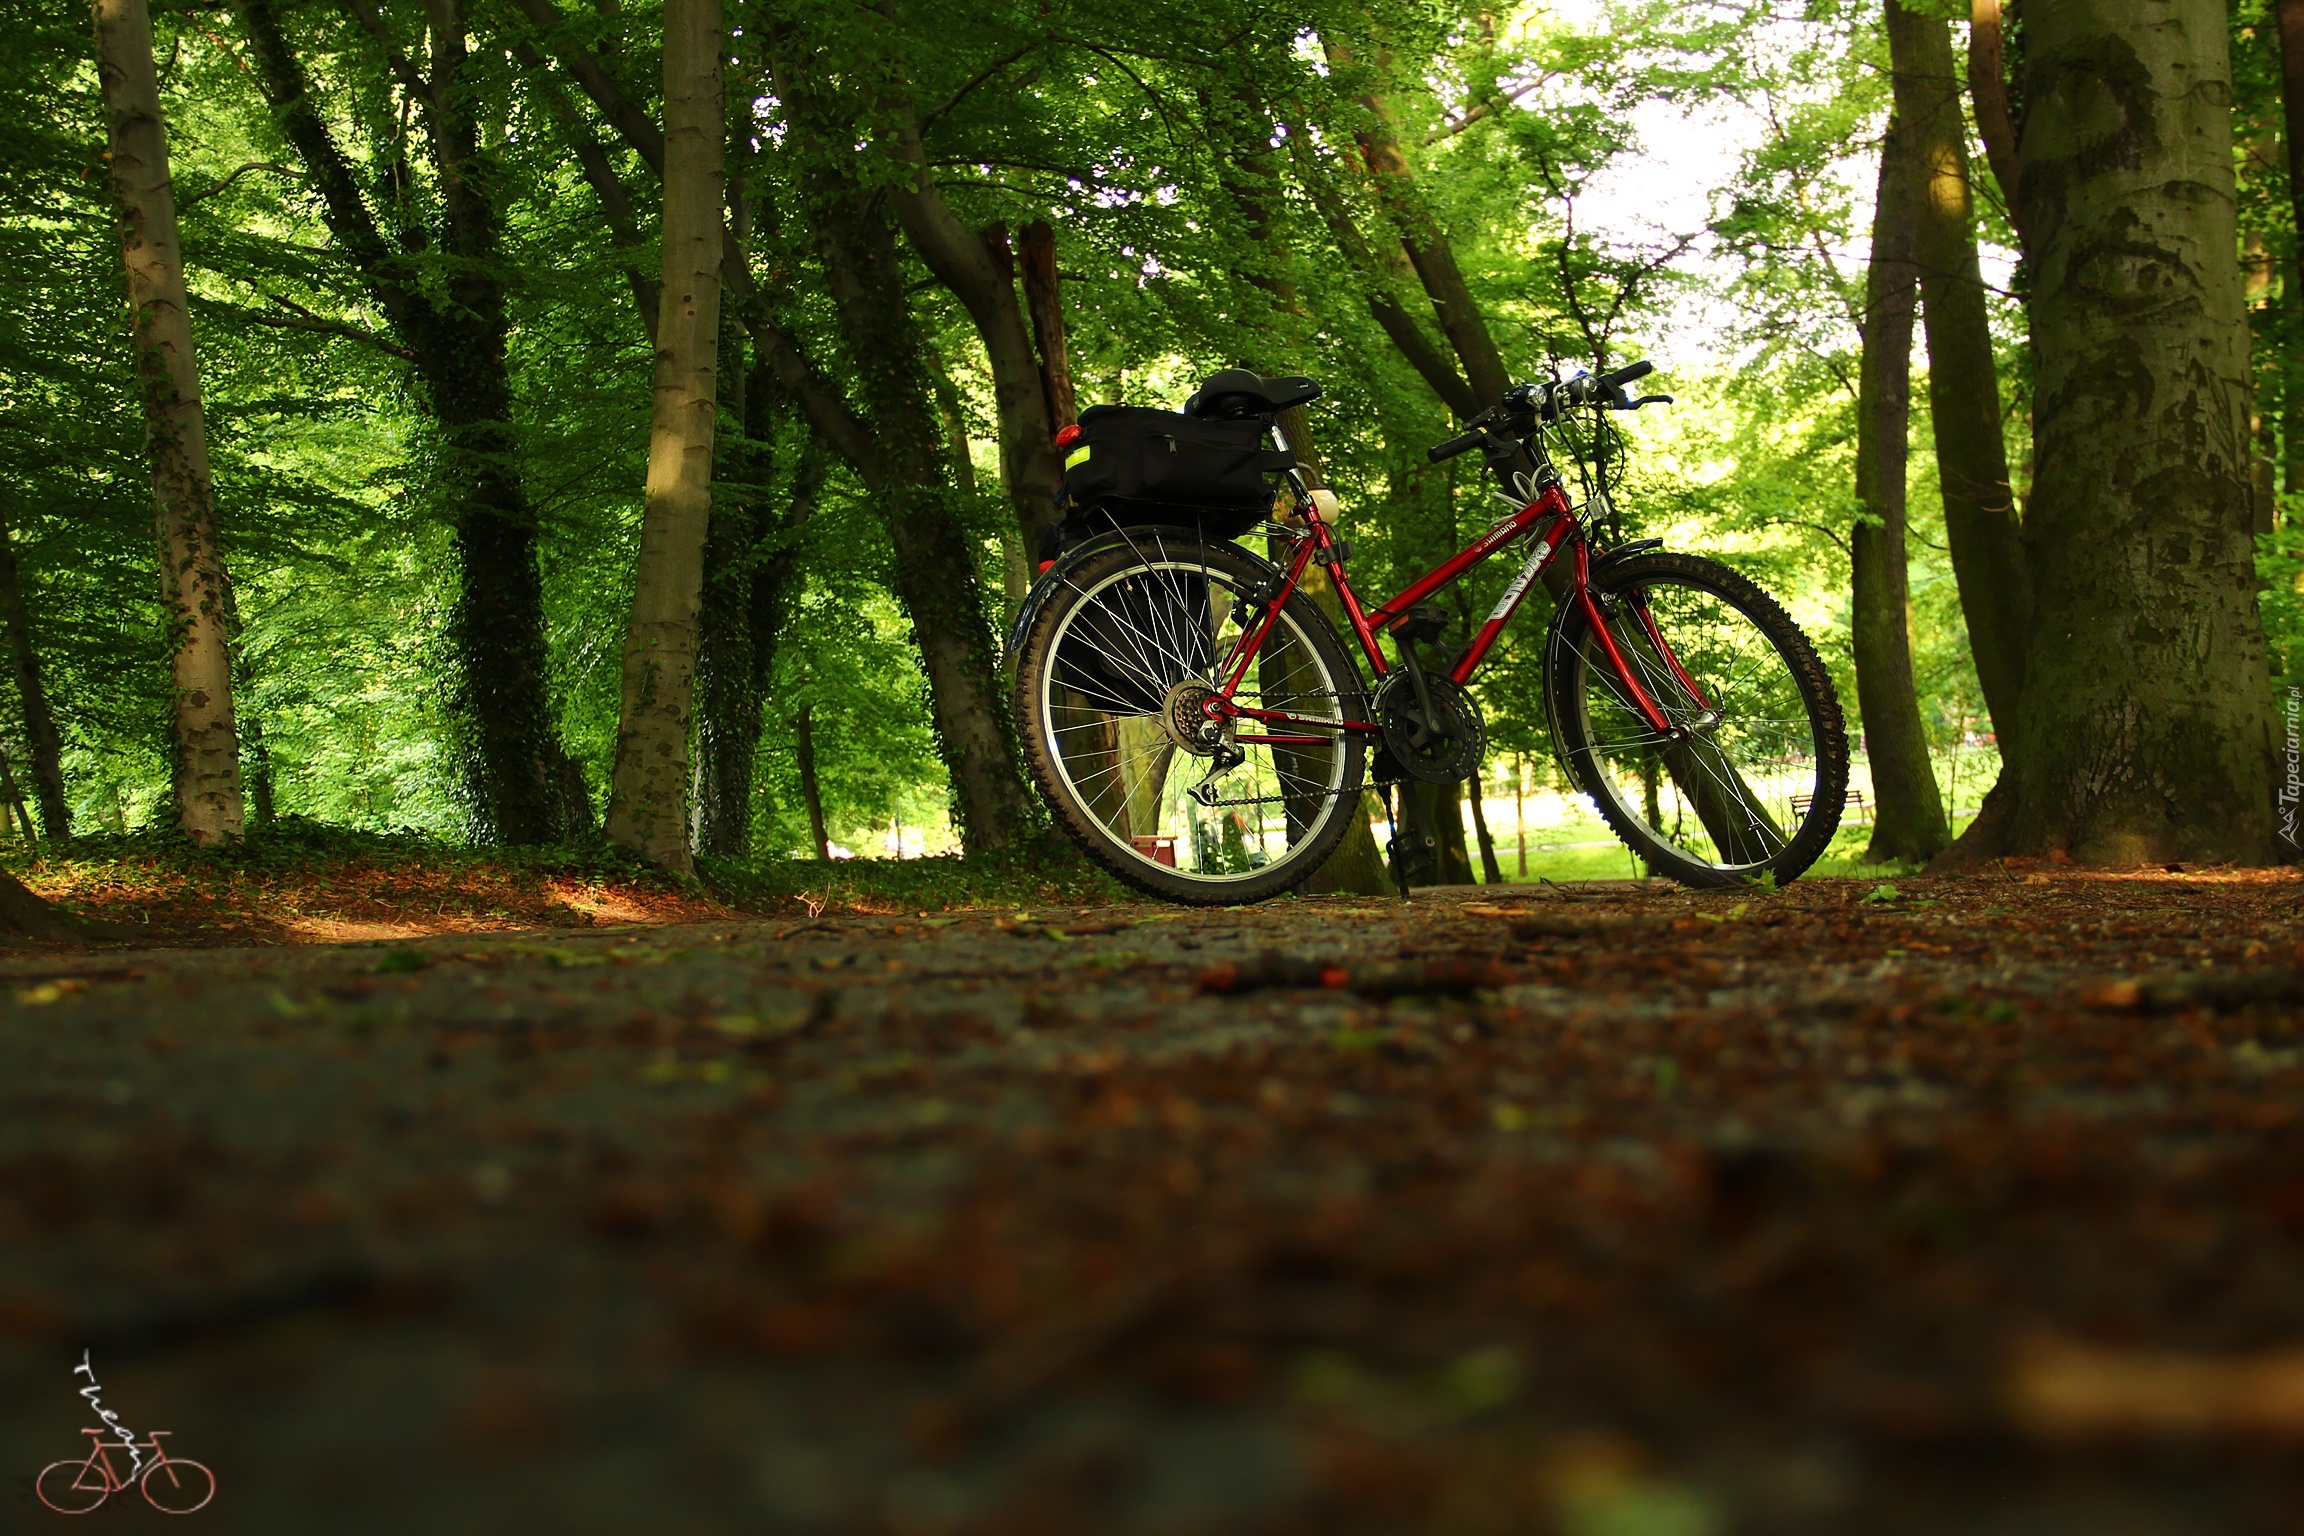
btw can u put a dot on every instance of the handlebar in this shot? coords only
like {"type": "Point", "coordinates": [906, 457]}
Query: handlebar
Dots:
{"type": "Point", "coordinates": [1606, 389]}
{"type": "Point", "coordinates": [1456, 445]}
{"type": "Point", "coordinates": [1620, 377]}
{"type": "Point", "coordinates": [1546, 401]}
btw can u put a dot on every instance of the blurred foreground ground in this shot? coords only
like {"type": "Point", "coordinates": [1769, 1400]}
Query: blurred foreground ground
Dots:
{"type": "Point", "coordinates": [1606, 1210]}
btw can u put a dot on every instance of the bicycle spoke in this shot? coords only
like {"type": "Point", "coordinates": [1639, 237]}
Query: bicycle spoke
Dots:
{"type": "Point", "coordinates": [1133, 636]}
{"type": "Point", "coordinates": [1723, 795]}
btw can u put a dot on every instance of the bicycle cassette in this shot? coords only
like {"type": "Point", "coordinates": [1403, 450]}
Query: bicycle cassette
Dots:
{"type": "Point", "coordinates": [1442, 750]}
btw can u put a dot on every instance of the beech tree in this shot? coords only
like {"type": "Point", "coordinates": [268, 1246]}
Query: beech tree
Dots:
{"type": "Point", "coordinates": [1980, 522]}
{"type": "Point", "coordinates": [440, 283]}
{"type": "Point", "coordinates": [41, 735]}
{"type": "Point", "coordinates": [648, 804]}
{"type": "Point", "coordinates": [2146, 706]}
{"type": "Point", "coordinates": [1908, 814]}
{"type": "Point", "coordinates": [192, 579]}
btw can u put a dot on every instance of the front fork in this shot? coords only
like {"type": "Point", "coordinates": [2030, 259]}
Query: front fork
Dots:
{"type": "Point", "coordinates": [1650, 711]}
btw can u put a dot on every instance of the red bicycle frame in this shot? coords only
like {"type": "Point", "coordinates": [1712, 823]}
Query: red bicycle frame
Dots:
{"type": "Point", "coordinates": [1319, 543]}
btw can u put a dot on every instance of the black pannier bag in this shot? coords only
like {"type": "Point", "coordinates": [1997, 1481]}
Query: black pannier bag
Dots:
{"type": "Point", "coordinates": [1132, 465]}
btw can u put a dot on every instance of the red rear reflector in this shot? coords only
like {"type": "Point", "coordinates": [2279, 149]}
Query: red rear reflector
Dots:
{"type": "Point", "coordinates": [1046, 566]}
{"type": "Point", "coordinates": [1068, 436]}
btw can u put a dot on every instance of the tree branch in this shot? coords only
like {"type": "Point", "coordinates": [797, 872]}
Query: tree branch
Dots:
{"type": "Point", "coordinates": [1454, 126]}
{"type": "Point", "coordinates": [411, 78]}
{"type": "Point", "coordinates": [982, 75]}
{"type": "Point", "coordinates": [590, 71]}
{"type": "Point", "coordinates": [349, 220]}
{"type": "Point", "coordinates": [615, 199]}
{"type": "Point", "coordinates": [1988, 93]}
{"type": "Point", "coordinates": [299, 318]}
{"type": "Point", "coordinates": [1384, 304]}
{"type": "Point", "coordinates": [282, 170]}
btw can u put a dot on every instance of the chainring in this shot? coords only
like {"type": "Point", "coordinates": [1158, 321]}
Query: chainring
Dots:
{"type": "Point", "coordinates": [1452, 750]}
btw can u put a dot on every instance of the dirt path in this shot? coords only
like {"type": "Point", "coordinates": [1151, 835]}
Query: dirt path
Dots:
{"type": "Point", "coordinates": [1614, 1212]}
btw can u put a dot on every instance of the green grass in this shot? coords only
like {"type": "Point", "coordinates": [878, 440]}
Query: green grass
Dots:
{"type": "Point", "coordinates": [283, 865]}
{"type": "Point", "coordinates": [1614, 862]}
{"type": "Point", "coordinates": [1843, 858]}
{"type": "Point", "coordinates": [1044, 872]}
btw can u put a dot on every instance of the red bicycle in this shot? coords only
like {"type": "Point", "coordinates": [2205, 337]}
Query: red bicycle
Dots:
{"type": "Point", "coordinates": [171, 1484]}
{"type": "Point", "coordinates": [1682, 699]}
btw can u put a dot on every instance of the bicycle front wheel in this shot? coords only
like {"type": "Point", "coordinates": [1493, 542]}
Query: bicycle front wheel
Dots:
{"type": "Point", "coordinates": [1750, 778]}
{"type": "Point", "coordinates": [178, 1487]}
{"type": "Point", "coordinates": [1112, 683]}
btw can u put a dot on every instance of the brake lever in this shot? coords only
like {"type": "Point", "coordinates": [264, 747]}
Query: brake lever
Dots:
{"type": "Point", "coordinates": [1646, 400]}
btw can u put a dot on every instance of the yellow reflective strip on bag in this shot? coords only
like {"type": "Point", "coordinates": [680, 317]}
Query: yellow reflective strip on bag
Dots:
{"type": "Point", "coordinates": [1077, 457]}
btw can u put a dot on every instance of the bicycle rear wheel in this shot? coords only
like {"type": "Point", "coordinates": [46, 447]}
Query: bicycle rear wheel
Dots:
{"type": "Point", "coordinates": [1753, 781]}
{"type": "Point", "coordinates": [64, 1487]}
{"type": "Point", "coordinates": [1110, 681]}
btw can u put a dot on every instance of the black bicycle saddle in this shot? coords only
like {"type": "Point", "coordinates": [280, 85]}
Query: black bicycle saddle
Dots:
{"type": "Point", "coordinates": [1237, 392]}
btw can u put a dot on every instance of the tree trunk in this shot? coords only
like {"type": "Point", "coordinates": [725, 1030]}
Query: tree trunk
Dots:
{"type": "Point", "coordinates": [263, 808]}
{"type": "Point", "coordinates": [935, 561]}
{"type": "Point", "coordinates": [255, 751]}
{"type": "Point", "coordinates": [1357, 865]}
{"type": "Point", "coordinates": [1444, 807]}
{"type": "Point", "coordinates": [1988, 93]}
{"type": "Point", "coordinates": [13, 812]}
{"type": "Point", "coordinates": [981, 279]}
{"type": "Point", "coordinates": [519, 784]}
{"type": "Point", "coordinates": [1490, 870]}
{"type": "Point", "coordinates": [207, 748]}
{"type": "Point", "coordinates": [728, 695]}
{"type": "Point", "coordinates": [1430, 252]}
{"type": "Point", "coordinates": [811, 794]}
{"type": "Point", "coordinates": [2289, 17]}
{"type": "Point", "coordinates": [518, 778]}
{"type": "Point", "coordinates": [25, 916]}
{"type": "Point", "coordinates": [647, 810]}
{"type": "Point", "coordinates": [1908, 822]}
{"type": "Point", "coordinates": [776, 580]}
{"type": "Point", "coordinates": [1045, 301]}
{"type": "Point", "coordinates": [1964, 393]}
{"type": "Point", "coordinates": [40, 733]}
{"type": "Point", "coordinates": [2147, 706]}
{"type": "Point", "coordinates": [2258, 280]}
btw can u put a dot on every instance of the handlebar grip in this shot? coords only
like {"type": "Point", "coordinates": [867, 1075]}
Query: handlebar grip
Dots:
{"type": "Point", "coordinates": [1619, 377]}
{"type": "Point", "coordinates": [1454, 446]}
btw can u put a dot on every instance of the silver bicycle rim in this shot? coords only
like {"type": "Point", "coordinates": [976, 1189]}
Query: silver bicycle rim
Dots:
{"type": "Point", "coordinates": [1249, 828]}
{"type": "Point", "coordinates": [1753, 775]}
